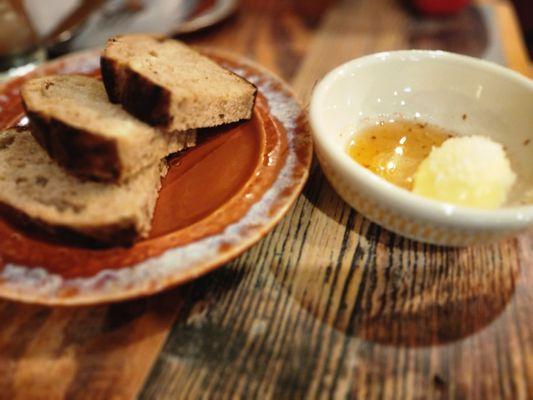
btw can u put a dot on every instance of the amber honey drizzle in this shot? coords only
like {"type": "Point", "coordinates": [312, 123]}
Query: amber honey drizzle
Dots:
{"type": "Point", "coordinates": [394, 150]}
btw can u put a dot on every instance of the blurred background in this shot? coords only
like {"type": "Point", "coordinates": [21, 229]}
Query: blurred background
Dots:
{"type": "Point", "coordinates": [32, 31]}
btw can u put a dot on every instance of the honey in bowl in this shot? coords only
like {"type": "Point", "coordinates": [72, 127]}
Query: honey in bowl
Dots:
{"type": "Point", "coordinates": [395, 149]}
{"type": "Point", "coordinates": [471, 171]}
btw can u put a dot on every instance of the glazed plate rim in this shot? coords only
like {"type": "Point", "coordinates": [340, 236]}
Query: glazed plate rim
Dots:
{"type": "Point", "coordinates": [180, 264]}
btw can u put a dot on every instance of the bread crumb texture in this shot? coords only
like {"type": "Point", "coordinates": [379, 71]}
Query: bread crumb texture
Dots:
{"type": "Point", "coordinates": [33, 184]}
{"type": "Point", "coordinates": [190, 90]}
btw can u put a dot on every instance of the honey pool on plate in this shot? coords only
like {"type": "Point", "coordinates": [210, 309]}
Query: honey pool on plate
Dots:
{"type": "Point", "coordinates": [395, 149]}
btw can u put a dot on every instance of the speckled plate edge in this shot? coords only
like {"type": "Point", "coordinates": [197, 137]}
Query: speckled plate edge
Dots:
{"type": "Point", "coordinates": [181, 264]}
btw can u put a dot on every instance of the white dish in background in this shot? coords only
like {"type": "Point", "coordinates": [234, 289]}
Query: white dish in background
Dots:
{"type": "Point", "coordinates": [465, 95]}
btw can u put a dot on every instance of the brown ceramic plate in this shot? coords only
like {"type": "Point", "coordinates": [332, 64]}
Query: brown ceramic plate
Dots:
{"type": "Point", "coordinates": [216, 201]}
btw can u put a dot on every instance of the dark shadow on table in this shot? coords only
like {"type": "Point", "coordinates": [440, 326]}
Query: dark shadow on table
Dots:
{"type": "Point", "coordinates": [401, 292]}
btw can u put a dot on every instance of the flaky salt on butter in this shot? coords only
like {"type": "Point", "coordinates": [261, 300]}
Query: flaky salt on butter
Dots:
{"type": "Point", "coordinates": [470, 171]}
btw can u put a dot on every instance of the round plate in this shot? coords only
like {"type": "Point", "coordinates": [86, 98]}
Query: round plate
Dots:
{"type": "Point", "coordinates": [167, 17]}
{"type": "Point", "coordinates": [217, 200]}
{"type": "Point", "coordinates": [207, 13]}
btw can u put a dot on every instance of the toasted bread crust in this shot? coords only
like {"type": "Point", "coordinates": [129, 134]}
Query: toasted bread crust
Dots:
{"type": "Point", "coordinates": [94, 139]}
{"type": "Point", "coordinates": [36, 192]}
{"type": "Point", "coordinates": [81, 152]}
{"type": "Point", "coordinates": [119, 234]}
{"type": "Point", "coordinates": [140, 96]}
{"type": "Point", "coordinates": [110, 70]}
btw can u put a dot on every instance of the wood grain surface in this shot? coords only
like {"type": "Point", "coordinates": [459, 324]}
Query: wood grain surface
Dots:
{"type": "Point", "coordinates": [328, 305]}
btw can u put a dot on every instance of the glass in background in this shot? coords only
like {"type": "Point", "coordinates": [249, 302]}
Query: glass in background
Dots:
{"type": "Point", "coordinates": [20, 47]}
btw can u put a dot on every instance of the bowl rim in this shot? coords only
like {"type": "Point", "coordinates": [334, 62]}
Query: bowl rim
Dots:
{"type": "Point", "coordinates": [397, 198]}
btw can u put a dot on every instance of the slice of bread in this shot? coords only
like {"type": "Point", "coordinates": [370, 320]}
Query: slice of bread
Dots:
{"type": "Point", "coordinates": [165, 83]}
{"type": "Point", "coordinates": [92, 138]}
{"type": "Point", "coordinates": [34, 187]}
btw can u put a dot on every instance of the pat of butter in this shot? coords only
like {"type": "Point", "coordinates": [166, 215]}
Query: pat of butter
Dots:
{"type": "Point", "coordinates": [470, 171]}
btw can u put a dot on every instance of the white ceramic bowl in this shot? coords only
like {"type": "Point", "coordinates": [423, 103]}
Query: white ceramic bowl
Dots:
{"type": "Point", "coordinates": [443, 89]}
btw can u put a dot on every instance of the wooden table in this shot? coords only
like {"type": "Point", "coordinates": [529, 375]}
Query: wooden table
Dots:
{"type": "Point", "coordinates": [328, 305]}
